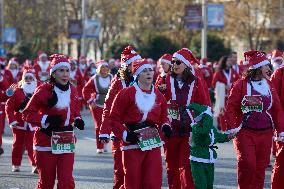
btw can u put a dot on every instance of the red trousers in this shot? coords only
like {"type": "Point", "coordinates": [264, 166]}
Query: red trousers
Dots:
{"type": "Point", "coordinates": [2, 122]}
{"type": "Point", "coordinates": [118, 174]}
{"type": "Point", "coordinates": [97, 113]}
{"type": "Point", "coordinates": [49, 165]}
{"type": "Point", "coordinates": [23, 139]}
{"type": "Point", "coordinates": [253, 150]}
{"type": "Point", "coordinates": [177, 151]}
{"type": "Point", "coordinates": [142, 170]}
{"type": "Point", "coordinates": [277, 180]}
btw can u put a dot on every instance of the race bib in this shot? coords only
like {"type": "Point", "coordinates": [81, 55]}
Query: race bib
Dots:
{"type": "Point", "coordinates": [149, 138]}
{"type": "Point", "coordinates": [62, 142]}
{"type": "Point", "coordinates": [252, 104]}
{"type": "Point", "coordinates": [173, 112]}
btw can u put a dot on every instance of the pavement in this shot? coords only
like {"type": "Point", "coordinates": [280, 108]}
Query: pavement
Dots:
{"type": "Point", "coordinates": [95, 171]}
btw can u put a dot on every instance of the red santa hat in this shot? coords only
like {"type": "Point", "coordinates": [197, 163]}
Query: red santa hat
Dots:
{"type": "Point", "coordinates": [166, 58]}
{"type": "Point", "coordinates": [101, 63]}
{"type": "Point", "coordinates": [139, 65]}
{"type": "Point", "coordinates": [203, 60]}
{"type": "Point", "coordinates": [58, 62]}
{"type": "Point", "coordinates": [276, 55]}
{"type": "Point", "coordinates": [42, 54]}
{"type": "Point", "coordinates": [128, 55]}
{"type": "Point", "coordinates": [90, 62]}
{"type": "Point", "coordinates": [82, 58]}
{"type": "Point", "coordinates": [28, 72]}
{"type": "Point", "coordinates": [255, 59]}
{"type": "Point", "coordinates": [185, 55]}
{"type": "Point", "coordinates": [2, 60]}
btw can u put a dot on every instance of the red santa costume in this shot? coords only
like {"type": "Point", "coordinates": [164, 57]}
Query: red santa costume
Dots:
{"type": "Point", "coordinates": [13, 66]}
{"type": "Point", "coordinates": [207, 72]}
{"type": "Point", "coordinates": [222, 82]}
{"type": "Point", "coordinates": [42, 67]}
{"type": "Point", "coordinates": [127, 57]}
{"type": "Point", "coordinates": [90, 70]}
{"type": "Point", "coordinates": [179, 95]}
{"type": "Point", "coordinates": [82, 65]}
{"type": "Point", "coordinates": [94, 92]}
{"type": "Point", "coordinates": [252, 111]}
{"type": "Point", "coordinates": [134, 110]}
{"type": "Point", "coordinates": [278, 169]}
{"type": "Point", "coordinates": [23, 132]}
{"type": "Point", "coordinates": [4, 84]}
{"type": "Point", "coordinates": [54, 108]}
{"type": "Point", "coordinates": [277, 59]}
{"type": "Point", "coordinates": [77, 79]}
{"type": "Point", "coordinates": [161, 79]}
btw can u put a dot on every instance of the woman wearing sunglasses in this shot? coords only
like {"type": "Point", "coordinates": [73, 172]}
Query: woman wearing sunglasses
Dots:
{"type": "Point", "coordinates": [253, 111]}
{"type": "Point", "coordinates": [183, 88]}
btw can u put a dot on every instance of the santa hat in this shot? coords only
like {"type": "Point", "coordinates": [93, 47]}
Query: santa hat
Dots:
{"type": "Point", "coordinates": [101, 63]}
{"type": "Point", "coordinates": [58, 62]}
{"type": "Point", "coordinates": [166, 58]}
{"type": "Point", "coordinates": [276, 55]}
{"type": "Point", "coordinates": [41, 55]}
{"type": "Point", "coordinates": [139, 65]}
{"type": "Point", "coordinates": [90, 62]}
{"type": "Point", "coordinates": [28, 72]}
{"type": "Point", "coordinates": [13, 61]}
{"type": "Point", "coordinates": [2, 60]}
{"type": "Point", "coordinates": [255, 59]}
{"type": "Point", "coordinates": [185, 55]}
{"type": "Point", "coordinates": [82, 58]}
{"type": "Point", "coordinates": [128, 55]}
{"type": "Point", "coordinates": [203, 60]}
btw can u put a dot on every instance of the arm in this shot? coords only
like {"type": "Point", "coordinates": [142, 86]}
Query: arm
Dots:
{"type": "Point", "coordinates": [10, 109]}
{"type": "Point", "coordinates": [276, 80]}
{"type": "Point", "coordinates": [220, 137]}
{"type": "Point", "coordinates": [89, 91]}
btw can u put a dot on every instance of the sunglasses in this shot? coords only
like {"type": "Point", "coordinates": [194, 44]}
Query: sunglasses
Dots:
{"type": "Point", "coordinates": [177, 62]}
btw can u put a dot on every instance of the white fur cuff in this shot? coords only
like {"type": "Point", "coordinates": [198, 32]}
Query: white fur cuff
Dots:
{"type": "Point", "coordinates": [124, 135]}
{"type": "Point", "coordinates": [104, 136]}
{"type": "Point", "coordinates": [13, 124]}
{"type": "Point", "coordinates": [281, 134]}
{"type": "Point", "coordinates": [43, 124]}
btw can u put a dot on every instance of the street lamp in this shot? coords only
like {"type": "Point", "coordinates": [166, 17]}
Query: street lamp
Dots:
{"type": "Point", "coordinates": [204, 30]}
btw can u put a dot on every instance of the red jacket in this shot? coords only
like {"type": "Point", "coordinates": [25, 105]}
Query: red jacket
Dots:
{"type": "Point", "coordinates": [116, 86]}
{"type": "Point", "coordinates": [37, 111]}
{"type": "Point", "coordinates": [12, 112]}
{"type": "Point", "coordinates": [40, 73]}
{"type": "Point", "coordinates": [125, 111]}
{"type": "Point", "coordinates": [207, 74]}
{"type": "Point", "coordinates": [78, 81]}
{"type": "Point", "coordinates": [277, 79]}
{"type": "Point", "coordinates": [233, 113]}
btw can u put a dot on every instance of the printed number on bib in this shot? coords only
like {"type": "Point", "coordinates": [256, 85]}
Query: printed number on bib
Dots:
{"type": "Point", "coordinates": [62, 142]}
{"type": "Point", "coordinates": [149, 138]}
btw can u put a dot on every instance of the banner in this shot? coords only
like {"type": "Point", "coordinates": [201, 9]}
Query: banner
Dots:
{"type": "Point", "coordinates": [92, 28]}
{"type": "Point", "coordinates": [10, 35]}
{"type": "Point", "coordinates": [75, 29]}
{"type": "Point", "coordinates": [215, 15]}
{"type": "Point", "coordinates": [193, 17]}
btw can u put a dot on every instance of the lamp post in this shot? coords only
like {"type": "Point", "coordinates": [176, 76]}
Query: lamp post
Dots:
{"type": "Point", "coordinates": [204, 30]}
{"type": "Point", "coordinates": [83, 25]}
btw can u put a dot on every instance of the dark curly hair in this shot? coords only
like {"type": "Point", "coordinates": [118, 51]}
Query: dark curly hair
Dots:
{"type": "Point", "coordinates": [187, 75]}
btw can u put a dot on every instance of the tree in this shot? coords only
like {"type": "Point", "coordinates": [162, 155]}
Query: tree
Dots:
{"type": "Point", "coordinates": [115, 49]}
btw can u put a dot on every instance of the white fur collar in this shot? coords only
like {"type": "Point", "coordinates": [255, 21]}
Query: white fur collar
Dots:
{"type": "Point", "coordinates": [43, 66]}
{"type": "Point", "coordinates": [261, 86]}
{"type": "Point", "coordinates": [72, 74]}
{"type": "Point", "coordinates": [144, 101]}
{"type": "Point", "coordinates": [29, 88]}
{"type": "Point", "coordinates": [63, 98]}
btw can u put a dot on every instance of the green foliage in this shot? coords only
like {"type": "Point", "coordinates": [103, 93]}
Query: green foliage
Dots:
{"type": "Point", "coordinates": [22, 50]}
{"type": "Point", "coordinates": [215, 47]}
{"type": "Point", "coordinates": [155, 45]}
{"type": "Point", "coordinates": [115, 49]}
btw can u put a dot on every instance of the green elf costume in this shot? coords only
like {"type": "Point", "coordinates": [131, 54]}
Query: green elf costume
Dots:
{"type": "Point", "coordinates": [203, 154]}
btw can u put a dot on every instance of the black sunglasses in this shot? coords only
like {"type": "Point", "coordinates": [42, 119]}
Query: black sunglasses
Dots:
{"type": "Point", "coordinates": [177, 62]}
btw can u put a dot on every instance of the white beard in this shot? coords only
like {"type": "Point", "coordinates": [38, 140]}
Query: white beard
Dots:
{"type": "Point", "coordinates": [43, 65]}
{"type": "Point", "coordinates": [14, 72]}
{"type": "Point", "coordinates": [145, 102]}
{"type": "Point", "coordinates": [29, 88]}
{"type": "Point", "coordinates": [72, 74]}
{"type": "Point", "coordinates": [82, 67]}
{"type": "Point", "coordinates": [63, 98]}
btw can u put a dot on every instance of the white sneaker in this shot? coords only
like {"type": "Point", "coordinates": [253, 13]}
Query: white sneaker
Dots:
{"type": "Point", "coordinates": [15, 168]}
{"type": "Point", "coordinates": [100, 151]}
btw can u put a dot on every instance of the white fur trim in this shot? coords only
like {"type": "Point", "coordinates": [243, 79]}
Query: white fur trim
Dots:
{"type": "Point", "coordinates": [235, 130]}
{"type": "Point", "coordinates": [191, 86]}
{"type": "Point", "coordinates": [141, 68]}
{"type": "Point", "coordinates": [202, 160]}
{"type": "Point", "coordinates": [124, 135]}
{"type": "Point", "coordinates": [42, 148]}
{"type": "Point", "coordinates": [281, 134]}
{"type": "Point", "coordinates": [43, 119]}
{"type": "Point", "coordinates": [123, 84]}
{"type": "Point", "coordinates": [180, 57]}
{"type": "Point", "coordinates": [129, 61]}
{"type": "Point", "coordinates": [173, 90]}
{"type": "Point", "coordinates": [166, 61]}
{"type": "Point", "coordinates": [144, 102]}
{"type": "Point", "coordinates": [220, 93]}
{"type": "Point", "coordinates": [13, 124]}
{"type": "Point", "coordinates": [258, 65]}
{"type": "Point", "coordinates": [60, 64]}
{"type": "Point", "coordinates": [63, 98]}
{"type": "Point", "coordinates": [104, 135]}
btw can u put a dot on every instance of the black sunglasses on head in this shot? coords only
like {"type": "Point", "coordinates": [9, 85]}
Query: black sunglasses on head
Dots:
{"type": "Point", "coordinates": [177, 62]}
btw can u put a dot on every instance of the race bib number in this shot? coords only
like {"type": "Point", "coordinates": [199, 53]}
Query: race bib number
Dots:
{"type": "Point", "coordinates": [252, 104]}
{"type": "Point", "coordinates": [173, 112]}
{"type": "Point", "coordinates": [62, 142]}
{"type": "Point", "coordinates": [149, 138]}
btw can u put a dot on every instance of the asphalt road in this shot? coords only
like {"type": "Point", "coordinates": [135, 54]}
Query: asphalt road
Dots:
{"type": "Point", "coordinates": [94, 171]}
